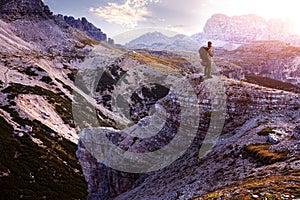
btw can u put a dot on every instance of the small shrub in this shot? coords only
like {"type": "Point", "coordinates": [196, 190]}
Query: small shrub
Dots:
{"type": "Point", "coordinates": [30, 71]}
{"type": "Point", "coordinates": [71, 76]}
{"type": "Point", "coordinates": [46, 79]}
{"type": "Point", "coordinates": [214, 196]}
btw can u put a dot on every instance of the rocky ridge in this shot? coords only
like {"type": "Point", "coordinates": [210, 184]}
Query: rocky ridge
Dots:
{"type": "Point", "coordinates": [13, 10]}
{"type": "Point", "coordinates": [18, 9]}
{"type": "Point", "coordinates": [87, 27]}
{"type": "Point", "coordinates": [255, 117]}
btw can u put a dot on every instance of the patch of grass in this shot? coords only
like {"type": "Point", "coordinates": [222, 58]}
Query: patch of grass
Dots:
{"type": "Point", "coordinates": [262, 154]}
{"type": "Point", "coordinates": [31, 70]}
{"type": "Point", "coordinates": [160, 64]}
{"type": "Point", "coordinates": [85, 113]}
{"type": "Point", "coordinates": [214, 196]}
{"type": "Point", "coordinates": [88, 42]}
{"type": "Point", "coordinates": [271, 188]}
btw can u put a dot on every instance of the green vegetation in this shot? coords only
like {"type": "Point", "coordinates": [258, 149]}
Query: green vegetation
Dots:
{"type": "Point", "coordinates": [51, 171]}
{"type": "Point", "coordinates": [30, 70]}
{"type": "Point", "coordinates": [33, 172]}
{"type": "Point", "coordinates": [86, 41]}
{"type": "Point", "coordinates": [213, 196]}
{"type": "Point", "coordinates": [270, 188]}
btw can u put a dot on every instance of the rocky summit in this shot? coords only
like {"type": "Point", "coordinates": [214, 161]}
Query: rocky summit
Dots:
{"type": "Point", "coordinates": [87, 27]}
{"type": "Point", "coordinates": [84, 119]}
{"type": "Point", "coordinates": [230, 32]}
{"type": "Point", "coordinates": [16, 9]}
{"type": "Point", "coordinates": [245, 28]}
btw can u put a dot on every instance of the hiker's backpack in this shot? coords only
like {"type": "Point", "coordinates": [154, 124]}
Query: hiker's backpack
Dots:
{"type": "Point", "coordinates": [203, 53]}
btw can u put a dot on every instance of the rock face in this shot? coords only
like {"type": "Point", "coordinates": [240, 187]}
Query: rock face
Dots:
{"type": "Point", "coordinates": [88, 28]}
{"type": "Point", "coordinates": [244, 28]}
{"type": "Point", "coordinates": [273, 59]}
{"type": "Point", "coordinates": [296, 133]}
{"type": "Point", "coordinates": [231, 32]}
{"type": "Point", "coordinates": [17, 9]}
{"type": "Point", "coordinates": [11, 10]}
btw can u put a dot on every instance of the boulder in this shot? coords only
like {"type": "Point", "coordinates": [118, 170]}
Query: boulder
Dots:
{"type": "Point", "coordinates": [296, 133]}
{"type": "Point", "coordinates": [273, 139]}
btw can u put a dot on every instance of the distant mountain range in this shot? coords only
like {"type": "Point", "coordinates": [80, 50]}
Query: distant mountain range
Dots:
{"type": "Point", "coordinates": [226, 32]}
{"type": "Point", "coordinates": [157, 40]}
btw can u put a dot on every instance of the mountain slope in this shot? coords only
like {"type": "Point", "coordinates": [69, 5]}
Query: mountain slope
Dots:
{"type": "Point", "coordinates": [258, 140]}
{"type": "Point", "coordinates": [39, 56]}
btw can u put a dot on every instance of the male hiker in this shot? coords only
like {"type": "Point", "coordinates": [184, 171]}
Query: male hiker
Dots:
{"type": "Point", "coordinates": [206, 54]}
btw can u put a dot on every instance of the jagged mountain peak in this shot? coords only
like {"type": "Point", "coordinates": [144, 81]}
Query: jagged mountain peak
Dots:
{"type": "Point", "coordinates": [16, 9]}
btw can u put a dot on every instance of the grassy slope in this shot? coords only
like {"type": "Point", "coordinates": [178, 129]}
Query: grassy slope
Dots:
{"type": "Point", "coordinates": [37, 172]}
{"type": "Point", "coordinates": [270, 188]}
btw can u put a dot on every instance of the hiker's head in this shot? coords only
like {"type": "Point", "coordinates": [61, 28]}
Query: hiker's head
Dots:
{"type": "Point", "coordinates": [209, 44]}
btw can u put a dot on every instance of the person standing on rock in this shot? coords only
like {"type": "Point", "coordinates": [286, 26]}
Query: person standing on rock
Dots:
{"type": "Point", "coordinates": [206, 54]}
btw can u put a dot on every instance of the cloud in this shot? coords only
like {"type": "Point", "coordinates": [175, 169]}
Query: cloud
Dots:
{"type": "Point", "coordinates": [127, 14]}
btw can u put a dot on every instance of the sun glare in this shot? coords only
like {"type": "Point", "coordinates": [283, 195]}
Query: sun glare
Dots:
{"type": "Point", "coordinates": [287, 10]}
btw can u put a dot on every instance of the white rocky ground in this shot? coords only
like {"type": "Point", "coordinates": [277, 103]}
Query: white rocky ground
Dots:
{"type": "Point", "coordinates": [36, 107]}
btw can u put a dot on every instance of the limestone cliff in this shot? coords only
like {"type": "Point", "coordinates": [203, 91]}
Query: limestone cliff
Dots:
{"type": "Point", "coordinates": [244, 28]}
{"type": "Point", "coordinates": [88, 28]}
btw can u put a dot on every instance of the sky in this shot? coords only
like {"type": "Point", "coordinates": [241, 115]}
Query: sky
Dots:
{"type": "Point", "coordinates": [125, 17]}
